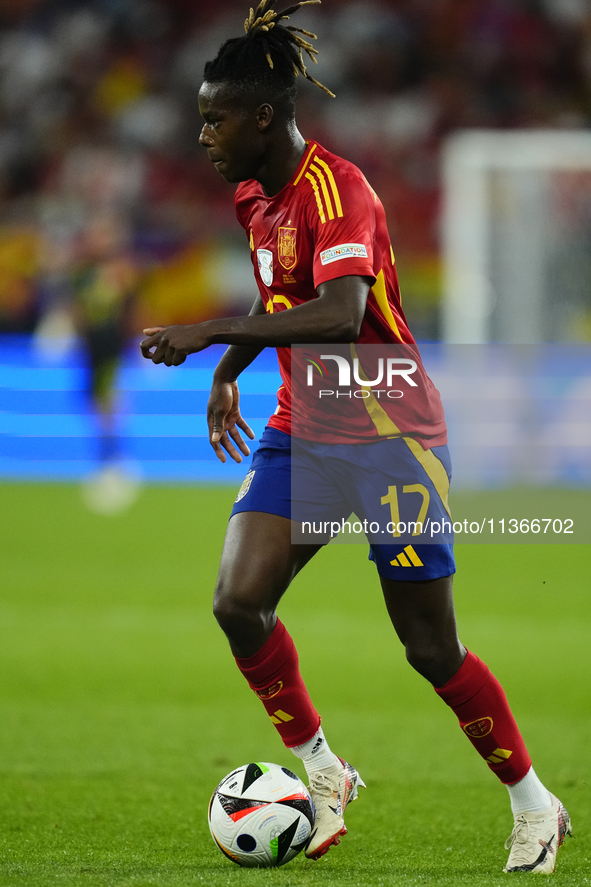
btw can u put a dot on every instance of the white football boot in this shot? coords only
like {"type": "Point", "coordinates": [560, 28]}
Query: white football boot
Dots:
{"type": "Point", "coordinates": [330, 795]}
{"type": "Point", "coordinates": [535, 839]}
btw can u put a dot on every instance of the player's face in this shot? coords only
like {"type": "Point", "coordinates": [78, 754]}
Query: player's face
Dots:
{"type": "Point", "coordinates": [231, 134]}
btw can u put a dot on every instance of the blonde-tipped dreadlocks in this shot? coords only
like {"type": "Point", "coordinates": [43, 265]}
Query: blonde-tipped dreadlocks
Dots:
{"type": "Point", "coordinates": [266, 18]}
{"type": "Point", "coordinates": [270, 54]}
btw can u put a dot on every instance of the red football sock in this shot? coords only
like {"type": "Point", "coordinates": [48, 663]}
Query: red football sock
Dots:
{"type": "Point", "coordinates": [274, 675]}
{"type": "Point", "coordinates": [480, 703]}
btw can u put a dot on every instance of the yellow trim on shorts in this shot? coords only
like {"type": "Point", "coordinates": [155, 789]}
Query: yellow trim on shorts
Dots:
{"type": "Point", "coordinates": [386, 428]}
{"type": "Point", "coordinates": [434, 469]}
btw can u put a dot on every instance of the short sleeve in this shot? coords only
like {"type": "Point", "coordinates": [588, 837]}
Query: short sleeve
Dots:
{"type": "Point", "coordinates": [342, 215]}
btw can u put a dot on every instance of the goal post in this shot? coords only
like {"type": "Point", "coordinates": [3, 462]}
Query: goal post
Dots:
{"type": "Point", "coordinates": [516, 229]}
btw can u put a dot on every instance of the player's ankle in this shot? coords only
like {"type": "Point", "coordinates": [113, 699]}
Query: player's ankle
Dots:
{"type": "Point", "coordinates": [316, 755]}
{"type": "Point", "coordinates": [529, 794]}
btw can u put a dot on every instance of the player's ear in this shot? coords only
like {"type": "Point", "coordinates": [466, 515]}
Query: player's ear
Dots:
{"type": "Point", "coordinates": [264, 116]}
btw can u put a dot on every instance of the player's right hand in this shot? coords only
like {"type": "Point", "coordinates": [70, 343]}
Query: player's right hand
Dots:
{"type": "Point", "coordinates": [224, 420]}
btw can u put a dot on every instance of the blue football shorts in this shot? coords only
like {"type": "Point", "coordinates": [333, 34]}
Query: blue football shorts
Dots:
{"type": "Point", "coordinates": [390, 484]}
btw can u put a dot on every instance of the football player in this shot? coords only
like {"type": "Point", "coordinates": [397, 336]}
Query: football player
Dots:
{"type": "Point", "coordinates": [325, 272]}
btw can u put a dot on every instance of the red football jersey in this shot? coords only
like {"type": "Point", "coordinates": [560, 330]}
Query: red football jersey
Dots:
{"type": "Point", "coordinates": [328, 222]}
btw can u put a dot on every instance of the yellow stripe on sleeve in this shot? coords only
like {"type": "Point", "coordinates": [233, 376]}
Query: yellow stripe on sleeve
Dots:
{"type": "Point", "coordinates": [317, 195]}
{"type": "Point", "coordinates": [333, 185]}
{"type": "Point", "coordinates": [322, 181]}
{"type": "Point", "coordinates": [306, 162]}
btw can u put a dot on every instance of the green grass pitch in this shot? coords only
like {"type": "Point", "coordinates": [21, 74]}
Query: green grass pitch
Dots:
{"type": "Point", "coordinates": [121, 707]}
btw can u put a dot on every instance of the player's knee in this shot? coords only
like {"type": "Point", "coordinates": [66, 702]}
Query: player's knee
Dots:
{"type": "Point", "coordinates": [229, 612]}
{"type": "Point", "coordinates": [236, 614]}
{"type": "Point", "coordinates": [434, 661]}
{"type": "Point", "coordinates": [421, 657]}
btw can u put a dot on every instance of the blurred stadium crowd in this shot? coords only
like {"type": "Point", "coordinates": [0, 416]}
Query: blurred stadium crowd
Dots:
{"type": "Point", "coordinates": [107, 200]}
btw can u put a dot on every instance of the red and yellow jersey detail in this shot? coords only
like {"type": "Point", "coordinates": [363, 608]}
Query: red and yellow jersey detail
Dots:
{"type": "Point", "coordinates": [287, 247]}
{"type": "Point", "coordinates": [325, 178]}
{"type": "Point", "coordinates": [327, 223]}
{"type": "Point", "coordinates": [378, 291]}
{"type": "Point", "coordinates": [319, 203]}
{"type": "Point", "coordinates": [307, 158]}
{"type": "Point", "coordinates": [324, 186]}
{"type": "Point", "coordinates": [333, 187]}
{"type": "Point", "coordinates": [278, 299]}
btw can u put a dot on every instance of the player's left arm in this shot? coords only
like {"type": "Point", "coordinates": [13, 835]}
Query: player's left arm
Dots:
{"type": "Point", "coordinates": [335, 316]}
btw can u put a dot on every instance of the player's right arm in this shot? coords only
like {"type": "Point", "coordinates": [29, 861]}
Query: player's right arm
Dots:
{"type": "Point", "coordinates": [224, 419]}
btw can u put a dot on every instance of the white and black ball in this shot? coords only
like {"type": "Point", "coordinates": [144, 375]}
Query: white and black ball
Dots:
{"type": "Point", "coordinates": [261, 815]}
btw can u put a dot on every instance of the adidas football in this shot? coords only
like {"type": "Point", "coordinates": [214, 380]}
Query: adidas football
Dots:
{"type": "Point", "coordinates": [261, 815]}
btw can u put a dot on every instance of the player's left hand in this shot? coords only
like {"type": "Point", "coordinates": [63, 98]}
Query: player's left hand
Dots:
{"type": "Point", "coordinates": [172, 344]}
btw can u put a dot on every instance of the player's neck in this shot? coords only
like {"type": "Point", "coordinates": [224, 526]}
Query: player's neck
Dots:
{"type": "Point", "coordinates": [281, 161]}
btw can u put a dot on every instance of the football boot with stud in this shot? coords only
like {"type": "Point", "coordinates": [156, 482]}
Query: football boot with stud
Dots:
{"type": "Point", "coordinates": [330, 795]}
{"type": "Point", "coordinates": [536, 839]}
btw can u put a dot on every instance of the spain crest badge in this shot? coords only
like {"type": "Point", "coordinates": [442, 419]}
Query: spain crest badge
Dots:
{"type": "Point", "coordinates": [286, 247]}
